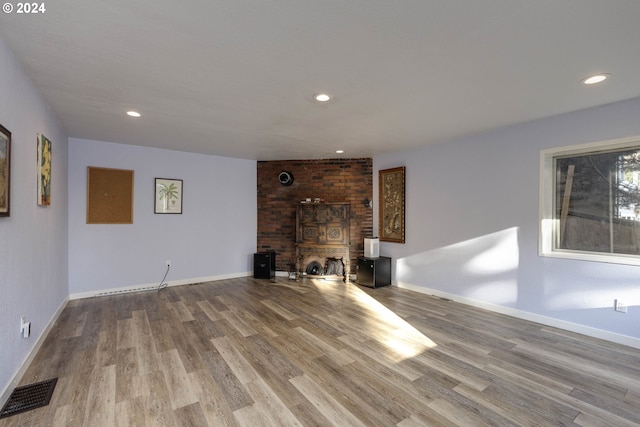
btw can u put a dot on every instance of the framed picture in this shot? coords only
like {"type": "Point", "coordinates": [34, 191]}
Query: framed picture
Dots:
{"type": "Point", "coordinates": [5, 170]}
{"type": "Point", "coordinates": [44, 171]}
{"type": "Point", "coordinates": [168, 198]}
{"type": "Point", "coordinates": [392, 184]}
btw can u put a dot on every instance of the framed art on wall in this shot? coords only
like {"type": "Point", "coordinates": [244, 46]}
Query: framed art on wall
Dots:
{"type": "Point", "coordinates": [5, 170]}
{"type": "Point", "coordinates": [392, 187]}
{"type": "Point", "coordinates": [44, 171]}
{"type": "Point", "coordinates": [168, 196]}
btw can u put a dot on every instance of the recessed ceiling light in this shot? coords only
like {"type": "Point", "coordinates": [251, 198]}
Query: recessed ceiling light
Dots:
{"type": "Point", "coordinates": [596, 78]}
{"type": "Point", "coordinates": [339, 151]}
{"type": "Point", "coordinates": [322, 97]}
{"type": "Point", "coordinates": [133, 113]}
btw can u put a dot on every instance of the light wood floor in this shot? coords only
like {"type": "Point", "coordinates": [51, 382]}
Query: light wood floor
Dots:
{"type": "Point", "coordinates": [247, 352]}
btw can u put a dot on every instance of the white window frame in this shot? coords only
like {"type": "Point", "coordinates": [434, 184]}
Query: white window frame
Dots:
{"type": "Point", "coordinates": [548, 226]}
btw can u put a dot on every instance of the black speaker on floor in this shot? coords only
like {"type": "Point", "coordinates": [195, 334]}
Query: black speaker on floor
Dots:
{"type": "Point", "coordinates": [264, 265]}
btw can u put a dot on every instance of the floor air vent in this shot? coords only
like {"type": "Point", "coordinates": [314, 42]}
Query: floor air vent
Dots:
{"type": "Point", "coordinates": [28, 397]}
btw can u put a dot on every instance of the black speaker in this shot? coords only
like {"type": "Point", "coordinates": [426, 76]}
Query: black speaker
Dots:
{"type": "Point", "coordinates": [285, 178]}
{"type": "Point", "coordinates": [264, 265]}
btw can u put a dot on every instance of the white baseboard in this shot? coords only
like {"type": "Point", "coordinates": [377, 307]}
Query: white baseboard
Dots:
{"type": "Point", "coordinates": [154, 286]}
{"type": "Point", "coordinates": [525, 315]}
{"type": "Point", "coordinates": [17, 377]}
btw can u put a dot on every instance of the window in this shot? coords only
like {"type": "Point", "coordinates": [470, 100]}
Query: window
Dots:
{"type": "Point", "coordinates": [590, 202]}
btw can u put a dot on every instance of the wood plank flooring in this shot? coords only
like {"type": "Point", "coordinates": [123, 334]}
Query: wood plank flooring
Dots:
{"type": "Point", "coordinates": [246, 352]}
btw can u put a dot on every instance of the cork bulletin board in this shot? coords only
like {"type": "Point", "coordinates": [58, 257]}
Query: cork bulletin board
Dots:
{"type": "Point", "coordinates": [109, 196]}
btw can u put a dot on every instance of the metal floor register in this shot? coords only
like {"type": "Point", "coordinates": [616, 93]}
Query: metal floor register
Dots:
{"type": "Point", "coordinates": [28, 397]}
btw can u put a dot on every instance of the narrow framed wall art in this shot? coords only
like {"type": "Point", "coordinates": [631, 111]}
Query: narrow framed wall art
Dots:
{"type": "Point", "coordinates": [44, 171]}
{"type": "Point", "coordinates": [5, 171]}
{"type": "Point", "coordinates": [392, 193]}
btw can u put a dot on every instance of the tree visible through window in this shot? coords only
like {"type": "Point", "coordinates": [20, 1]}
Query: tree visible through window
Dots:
{"type": "Point", "coordinates": [597, 202]}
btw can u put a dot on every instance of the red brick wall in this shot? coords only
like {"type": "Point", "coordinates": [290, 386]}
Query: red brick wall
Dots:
{"type": "Point", "coordinates": [333, 180]}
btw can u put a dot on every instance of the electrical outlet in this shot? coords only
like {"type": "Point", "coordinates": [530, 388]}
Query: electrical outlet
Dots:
{"type": "Point", "coordinates": [620, 306]}
{"type": "Point", "coordinates": [25, 328]}
{"type": "Point", "coordinates": [168, 263]}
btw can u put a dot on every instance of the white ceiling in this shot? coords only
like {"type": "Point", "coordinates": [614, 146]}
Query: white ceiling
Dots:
{"type": "Point", "coordinates": [236, 77]}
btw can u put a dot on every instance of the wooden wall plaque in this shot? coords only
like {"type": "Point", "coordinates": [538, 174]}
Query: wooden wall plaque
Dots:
{"type": "Point", "coordinates": [392, 209]}
{"type": "Point", "coordinates": [323, 223]}
{"type": "Point", "coordinates": [109, 196]}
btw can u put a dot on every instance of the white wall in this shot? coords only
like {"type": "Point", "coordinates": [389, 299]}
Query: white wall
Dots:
{"type": "Point", "coordinates": [472, 225]}
{"type": "Point", "coordinates": [33, 240]}
{"type": "Point", "coordinates": [214, 237]}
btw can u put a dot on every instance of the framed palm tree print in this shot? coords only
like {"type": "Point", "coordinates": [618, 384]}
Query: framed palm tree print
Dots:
{"type": "Point", "coordinates": [168, 194]}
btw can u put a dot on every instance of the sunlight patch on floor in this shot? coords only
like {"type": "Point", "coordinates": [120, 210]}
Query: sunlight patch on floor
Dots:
{"type": "Point", "coordinates": [392, 330]}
